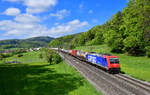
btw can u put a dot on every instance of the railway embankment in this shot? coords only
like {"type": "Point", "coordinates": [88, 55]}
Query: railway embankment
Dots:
{"type": "Point", "coordinates": [134, 66]}
{"type": "Point", "coordinates": [108, 84]}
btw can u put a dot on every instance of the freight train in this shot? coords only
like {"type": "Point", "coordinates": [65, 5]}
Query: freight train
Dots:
{"type": "Point", "coordinates": [106, 61]}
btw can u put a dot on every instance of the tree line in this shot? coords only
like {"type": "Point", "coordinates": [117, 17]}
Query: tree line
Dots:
{"type": "Point", "coordinates": [127, 31]}
{"type": "Point", "coordinates": [25, 43]}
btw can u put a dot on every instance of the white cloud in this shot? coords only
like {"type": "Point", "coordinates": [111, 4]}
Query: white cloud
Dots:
{"type": "Point", "coordinates": [7, 25]}
{"type": "Point", "coordinates": [60, 14]}
{"type": "Point", "coordinates": [12, 12]}
{"type": "Point", "coordinates": [94, 21]}
{"type": "Point", "coordinates": [23, 25]}
{"type": "Point", "coordinates": [81, 5]}
{"type": "Point", "coordinates": [67, 28]}
{"type": "Point", "coordinates": [38, 6]}
{"type": "Point", "coordinates": [21, 29]}
{"type": "Point", "coordinates": [56, 24]}
{"type": "Point", "coordinates": [33, 29]}
{"type": "Point", "coordinates": [61, 29]}
{"type": "Point", "coordinates": [90, 11]}
{"type": "Point", "coordinates": [28, 25]}
{"type": "Point", "coordinates": [13, 0]}
{"type": "Point", "coordinates": [27, 18]}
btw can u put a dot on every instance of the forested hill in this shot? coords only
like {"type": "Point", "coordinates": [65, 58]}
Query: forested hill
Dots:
{"type": "Point", "coordinates": [127, 31]}
{"type": "Point", "coordinates": [63, 41]}
{"type": "Point", "coordinates": [26, 43]}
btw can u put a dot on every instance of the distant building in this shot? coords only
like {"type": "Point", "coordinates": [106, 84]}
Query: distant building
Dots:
{"type": "Point", "coordinates": [34, 49]}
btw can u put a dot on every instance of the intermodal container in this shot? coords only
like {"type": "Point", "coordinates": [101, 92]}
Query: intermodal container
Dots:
{"type": "Point", "coordinates": [99, 60]}
{"type": "Point", "coordinates": [74, 52]}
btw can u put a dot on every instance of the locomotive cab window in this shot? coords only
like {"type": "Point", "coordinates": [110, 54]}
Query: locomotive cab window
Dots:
{"type": "Point", "coordinates": [114, 60]}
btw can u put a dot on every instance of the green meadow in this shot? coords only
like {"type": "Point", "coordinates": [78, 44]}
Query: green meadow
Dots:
{"type": "Point", "coordinates": [34, 76]}
{"type": "Point", "coordinates": [138, 67]}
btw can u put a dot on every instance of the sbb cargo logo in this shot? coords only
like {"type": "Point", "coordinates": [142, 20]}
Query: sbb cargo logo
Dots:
{"type": "Point", "coordinates": [92, 59]}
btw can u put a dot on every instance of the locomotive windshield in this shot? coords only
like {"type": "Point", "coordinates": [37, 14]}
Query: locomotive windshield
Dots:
{"type": "Point", "coordinates": [114, 61]}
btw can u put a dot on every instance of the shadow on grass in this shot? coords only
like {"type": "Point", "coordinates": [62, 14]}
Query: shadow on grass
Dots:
{"type": "Point", "coordinates": [35, 80]}
{"type": "Point", "coordinates": [122, 72]}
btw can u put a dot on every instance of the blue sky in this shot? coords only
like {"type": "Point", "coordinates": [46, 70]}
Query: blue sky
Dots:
{"type": "Point", "coordinates": [21, 19]}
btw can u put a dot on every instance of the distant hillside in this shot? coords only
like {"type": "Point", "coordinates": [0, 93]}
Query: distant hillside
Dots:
{"type": "Point", "coordinates": [26, 43]}
{"type": "Point", "coordinates": [93, 36]}
{"type": "Point", "coordinates": [63, 42]}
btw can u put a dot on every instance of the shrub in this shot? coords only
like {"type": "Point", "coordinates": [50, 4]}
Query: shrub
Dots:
{"type": "Point", "coordinates": [19, 51]}
{"type": "Point", "coordinates": [114, 40]}
{"type": "Point", "coordinates": [7, 55]}
{"type": "Point", "coordinates": [57, 59]}
{"type": "Point", "coordinates": [41, 56]}
{"type": "Point", "coordinates": [133, 46]}
{"type": "Point", "coordinates": [1, 56]}
{"type": "Point", "coordinates": [148, 54]}
{"type": "Point", "coordinates": [52, 57]}
{"type": "Point", "coordinates": [49, 55]}
{"type": "Point", "coordinates": [20, 55]}
{"type": "Point", "coordinates": [148, 51]}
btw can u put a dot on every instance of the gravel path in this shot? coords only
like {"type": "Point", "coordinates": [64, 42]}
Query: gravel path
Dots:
{"type": "Point", "coordinates": [106, 83]}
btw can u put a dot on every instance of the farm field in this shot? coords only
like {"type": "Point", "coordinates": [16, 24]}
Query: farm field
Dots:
{"type": "Point", "coordinates": [138, 67]}
{"type": "Point", "coordinates": [34, 76]}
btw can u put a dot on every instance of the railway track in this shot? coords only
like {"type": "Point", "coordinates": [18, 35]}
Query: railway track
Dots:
{"type": "Point", "coordinates": [108, 84]}
{"type": "Point", "coordinates": [138, 83]}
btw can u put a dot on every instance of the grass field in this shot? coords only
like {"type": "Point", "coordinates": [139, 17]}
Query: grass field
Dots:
{"type": "Point", "coordinates": [138, 67]}
{"type": "Point", "coordinates": [35, 76]}
{"type": "Point", "coordinates": [30, 57]}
